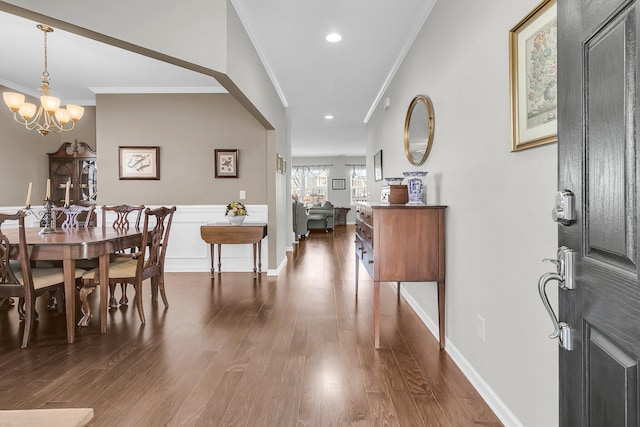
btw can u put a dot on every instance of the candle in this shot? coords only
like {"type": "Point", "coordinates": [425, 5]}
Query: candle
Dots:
{"type": "Point", "coordinates": [66, 194]}
{"type": "Point", "coordinates": [48, 190]}
{"type": "Point", "coordinates": [28, 204]}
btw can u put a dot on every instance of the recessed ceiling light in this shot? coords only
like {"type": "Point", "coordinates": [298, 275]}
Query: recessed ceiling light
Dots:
{"type": "Point", "coordinates": [328, 117]}
{"type": "Point", "coordinates": [334, 38]}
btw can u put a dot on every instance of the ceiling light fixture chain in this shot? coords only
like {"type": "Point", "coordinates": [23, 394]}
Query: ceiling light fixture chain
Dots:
{"type": "Point", "coordinates": [49, 117]}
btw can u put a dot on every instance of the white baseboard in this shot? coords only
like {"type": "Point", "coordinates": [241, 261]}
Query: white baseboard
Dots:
{"type": "Point", "coordinates": [277, 271]}
{"type": "Point", "coordinates": [495, 403]}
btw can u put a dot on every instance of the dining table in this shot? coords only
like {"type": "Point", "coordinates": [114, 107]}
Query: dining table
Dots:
{"type": "Point", "coordinates": [71, 245]}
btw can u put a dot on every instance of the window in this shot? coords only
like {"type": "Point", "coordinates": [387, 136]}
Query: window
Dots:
{"type": "Point", "coordinates": [358, 175]}
{"type": "Point", "coordinates": [309, 184]}
{"type": "Point", "coordinates": [316, 188]}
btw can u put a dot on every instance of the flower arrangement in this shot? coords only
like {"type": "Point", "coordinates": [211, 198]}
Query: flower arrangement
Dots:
{"type": "Point", "coordinates": [236, 209]}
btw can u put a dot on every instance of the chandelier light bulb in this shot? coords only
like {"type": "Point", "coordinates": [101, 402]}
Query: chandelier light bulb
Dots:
{"type": "Point", "coordinates": [13, 100]}
{"type": "Point", "coordinates": [50, 104]}
{"type": "Point", "coordinates": [75, 112]}
{"type": "Point", "coordinates": [63, 116]}
{"type": "Point", "coordinates": [27, 110]}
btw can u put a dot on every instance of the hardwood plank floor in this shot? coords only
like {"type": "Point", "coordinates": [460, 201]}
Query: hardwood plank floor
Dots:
{"type": "Point", "coordinates": [296, 350]}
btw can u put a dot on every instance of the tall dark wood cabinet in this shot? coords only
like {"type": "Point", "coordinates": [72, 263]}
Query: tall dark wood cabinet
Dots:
{"type": "Point", "coordinates": [401, 243]}
{"type": "Point", "coordinates": [75, 161]}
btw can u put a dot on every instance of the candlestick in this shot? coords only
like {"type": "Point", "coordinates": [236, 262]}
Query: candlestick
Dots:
{"type": "Point", "coordinates": [48, 190]}
{"type": "Point", "coordinates": [66, 194]}
{"type": "Point", "coordinates": [28, 204]}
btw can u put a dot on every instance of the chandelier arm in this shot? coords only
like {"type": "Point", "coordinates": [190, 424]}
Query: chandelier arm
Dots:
{"type": "Point", "coordinates": [58, 127]}
{"type": "Point", "coordinates": [43, 121]}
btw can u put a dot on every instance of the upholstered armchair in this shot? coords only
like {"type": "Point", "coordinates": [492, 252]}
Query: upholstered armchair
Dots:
{"type": "Point", "coordinates": [321, 217]}
{"type": "Point", "coordinates": [300, 218]}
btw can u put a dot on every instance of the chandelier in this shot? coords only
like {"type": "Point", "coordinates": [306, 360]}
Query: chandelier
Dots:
{"type": "Point", "coordinates": [49, 117]}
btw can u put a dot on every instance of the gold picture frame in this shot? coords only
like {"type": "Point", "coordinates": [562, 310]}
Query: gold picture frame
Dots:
{"type": "Point", "coordinates": [533, 78]}
{"type": "Point", "coordinates": [139, 162]}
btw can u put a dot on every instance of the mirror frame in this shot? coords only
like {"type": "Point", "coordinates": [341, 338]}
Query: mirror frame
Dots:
{"type": "Point", "coordinates": [407, 123]}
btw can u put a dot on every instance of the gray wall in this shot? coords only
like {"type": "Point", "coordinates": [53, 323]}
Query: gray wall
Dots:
{"type": "Point", "coordinates": [498, 223]}
{"type": "Point", "coordinates": [187, 128]}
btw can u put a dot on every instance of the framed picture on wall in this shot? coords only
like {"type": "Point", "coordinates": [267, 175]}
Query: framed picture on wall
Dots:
{"type": "Point", "coordinates": [139, 162]}
{"type": "Point", "coordinates": [339, 184]}
{"type": "Point", "coordinates": [377, 166]}
{"type": "Point", "coordinates": [533, 68]}
{"type": "Point", "coordinates": [226, 163]}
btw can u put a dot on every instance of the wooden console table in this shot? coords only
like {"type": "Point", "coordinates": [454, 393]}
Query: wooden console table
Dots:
{"type": "Point", "coordinates": [219, 234]}
{"type": "Point", "coordinates": [401, 243]}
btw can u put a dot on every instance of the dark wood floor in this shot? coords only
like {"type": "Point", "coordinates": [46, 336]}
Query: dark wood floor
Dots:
{"type": "Point", "coordinates": [296, 350]}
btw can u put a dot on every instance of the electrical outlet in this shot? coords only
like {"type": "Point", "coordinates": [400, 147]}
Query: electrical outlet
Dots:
{"type": "Point", "coordinates": [243, 194]}
{"type": "Point", "coordinates": [480, 328]}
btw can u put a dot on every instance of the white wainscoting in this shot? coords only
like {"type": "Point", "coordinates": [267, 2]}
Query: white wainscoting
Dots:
{"type": "Point", "coordinates": [187, 251]}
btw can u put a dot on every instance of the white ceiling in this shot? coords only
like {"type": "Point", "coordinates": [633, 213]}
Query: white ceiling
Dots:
{"type": "Point", "coordinates": [314, 77]}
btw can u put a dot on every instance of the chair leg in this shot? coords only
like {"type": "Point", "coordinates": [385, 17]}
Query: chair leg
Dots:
{"type": "Point", "coordinates": [53, 301]}
{"type": "Point", "coordinates": [159, 285]}
{"type": "Point", "coordinates": [113, 302]}
{"type": "Point", "coordinates": [138, 299]}
{"type": "Point", "coordinates": [124, 300]}
{"type": "Point", "coordinates": [154, 289]}
{"type": "Point", "coordinates": [84, 293]}
{"type": "Point", "coordinates": [60, 298]}
{"type": "Point", "coordinates": [28, 324]}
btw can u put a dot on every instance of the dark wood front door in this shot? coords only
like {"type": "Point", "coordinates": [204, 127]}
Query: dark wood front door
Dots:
{"type": "Point", "coordinates": [598, 162]}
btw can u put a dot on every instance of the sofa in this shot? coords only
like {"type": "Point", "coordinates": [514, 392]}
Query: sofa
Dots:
{"type": "Point", "coordinates": [300, 217]}
{"type": "Point", "coordinates": [321, 217]}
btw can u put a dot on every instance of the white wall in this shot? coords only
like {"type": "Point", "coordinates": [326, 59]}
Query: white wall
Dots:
{"type": "Point", "coordinates": [498, 221]}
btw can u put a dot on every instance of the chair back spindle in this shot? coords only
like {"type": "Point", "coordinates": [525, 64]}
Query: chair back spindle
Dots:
{"type": "Point", "coordinates": [122, 212]}
{"type": "Point", "coordinates": [71, 216]}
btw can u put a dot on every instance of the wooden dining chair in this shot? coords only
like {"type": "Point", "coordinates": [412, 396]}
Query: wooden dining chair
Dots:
{"type": "Point", "coordinates": [121, 222]}
{"type": "Point", "coordinates": [26, 283]}
{"type": "Point", "coordinates": [147, 262]}
{"type": "Point", "coordinates": [73, 216]}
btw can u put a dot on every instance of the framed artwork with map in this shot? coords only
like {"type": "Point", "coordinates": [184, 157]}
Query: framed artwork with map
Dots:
{"type": "Point", "coordinates": [533, 78]}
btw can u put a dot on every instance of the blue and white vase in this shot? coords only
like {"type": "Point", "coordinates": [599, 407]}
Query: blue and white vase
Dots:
{"type": "Point", "coordinates": [415, 186]}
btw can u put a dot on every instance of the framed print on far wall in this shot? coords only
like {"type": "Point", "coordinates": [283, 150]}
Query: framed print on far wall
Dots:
{"type": "Point", "coordinates": [377, 166]}
{"type": "Point", "coordinates": [226, 163]}
{"type": "Point", "coordinates": [339, 184]}
{"type": "Point", "coordinates": [139, 162]}
{"type": "Point", "coordinates": [533, 78]}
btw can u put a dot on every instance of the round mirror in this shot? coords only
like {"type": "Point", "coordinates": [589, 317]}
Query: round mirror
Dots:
{"type": "Point", "coordinates": [418, 130]}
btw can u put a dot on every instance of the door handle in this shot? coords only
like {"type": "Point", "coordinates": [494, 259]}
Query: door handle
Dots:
{"type": "Point", "coordinates": [565, 276]}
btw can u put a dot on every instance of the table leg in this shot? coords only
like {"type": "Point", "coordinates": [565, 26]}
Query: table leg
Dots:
{"type": "Point", "coordinates": [441, 312]}
{"type": "Point", "coordinates": [219, 258]}
{"type": "Point", "coordinates": [69, 268]}
{"type": "Point", "coordinates": [376, 314]}
{"type": "Point", "coordinates": [260, 256]}
{"type": "Point", "coordinates": [103, 265]}
{"type": "Point", "coordinates": [255, 247]}
{"type": "Point", "coordinates": [213, 269]}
